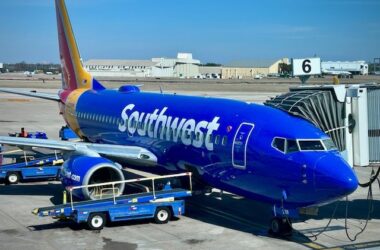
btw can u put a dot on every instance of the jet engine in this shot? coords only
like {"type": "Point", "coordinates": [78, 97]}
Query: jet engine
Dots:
{"type": "Point", "coordinates": [86, 170]}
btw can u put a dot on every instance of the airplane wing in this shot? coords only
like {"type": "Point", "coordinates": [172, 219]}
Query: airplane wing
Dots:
{"type": "Point", "coordinates": [137, 154]}
{"type": "Point", "coordinates": [32, 93]}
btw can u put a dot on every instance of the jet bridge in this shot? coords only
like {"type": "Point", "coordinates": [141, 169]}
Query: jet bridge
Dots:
{"type": "Point", "coordinates": [349, 115]}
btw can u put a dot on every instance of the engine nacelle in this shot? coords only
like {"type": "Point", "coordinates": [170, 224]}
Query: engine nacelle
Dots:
{"type": "Point", "coordinates": [85, 170]}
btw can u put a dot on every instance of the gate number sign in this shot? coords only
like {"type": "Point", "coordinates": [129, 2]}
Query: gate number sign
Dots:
{"type": "Point", "coordinates": [306, 66]}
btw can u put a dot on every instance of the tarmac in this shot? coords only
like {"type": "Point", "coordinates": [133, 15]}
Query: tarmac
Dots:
{"type": "Point", "coordinates": [212, 221]}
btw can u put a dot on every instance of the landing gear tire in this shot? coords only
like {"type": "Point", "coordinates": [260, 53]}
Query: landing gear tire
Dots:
{"type": "Point", "coordinates": [162, 215]}
{"type": "Point", "coordinates": [281, 227]}
{"type": "Point", "coordinates": [96, 221]}
{"type": "Point", "coordinates": [13, 178]}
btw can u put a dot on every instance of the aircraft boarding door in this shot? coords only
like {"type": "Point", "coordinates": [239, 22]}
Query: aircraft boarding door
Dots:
{"type": "Point", "coordinates": [239, 146]}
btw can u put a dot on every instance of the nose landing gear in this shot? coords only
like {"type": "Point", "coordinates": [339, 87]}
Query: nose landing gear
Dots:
{"type": "Point", "coordinates": [281, 224]}
{"type": "Point", "coordinates": [281, 227]}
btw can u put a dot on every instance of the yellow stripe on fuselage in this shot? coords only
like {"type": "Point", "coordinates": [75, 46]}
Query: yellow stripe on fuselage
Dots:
{"type": "Point", "coordinates": [70, 110]}
{"type": "Point", "coordinates": [83, 78]}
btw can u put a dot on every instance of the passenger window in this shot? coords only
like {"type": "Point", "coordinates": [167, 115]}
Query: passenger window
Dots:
{"type": "Point", "coordinates": [210, 138]}
{"type": "Point", "coordinates": [159, 131]}
{"type": "Point", "coordinates": [217, 139]}
{"type": "Point", "coordinates": [169, 132]}
{"type": "Point", "coordinates": [224, 140]}
{"type": "Point", "coordinates": [311, 145]}
{"type": "Point", "coordinates": [292, 146]}
{"type": "Point", "coordinates": [197, 136]}
{"type": "Point", "coordinates": [279, 143]}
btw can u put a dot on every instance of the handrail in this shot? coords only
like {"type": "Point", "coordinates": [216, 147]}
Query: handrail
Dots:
{"type": "Point", "coordinates": [131, 180]}
{"type": "Point", "coordinates": [71, 189]}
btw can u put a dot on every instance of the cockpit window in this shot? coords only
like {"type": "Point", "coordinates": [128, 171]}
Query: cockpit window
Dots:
{"type": "Point", "coordinates": [329, 144]}
{"type": "Point", "coordinates": [279, 143]}
{"type": "Point", "coordinates": [292, 146]}
{"type": "Point", "coordinates": [285, 145]}
{"type": "Point", "coordinates": [308, 145]}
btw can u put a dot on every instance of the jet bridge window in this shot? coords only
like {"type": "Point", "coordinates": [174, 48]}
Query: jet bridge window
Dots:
{"type": "Point", "coordinates": [311, 145]}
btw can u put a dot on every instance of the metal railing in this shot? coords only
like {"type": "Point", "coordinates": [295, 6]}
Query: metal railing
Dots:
{"type": "Point", "coordinates": [152, 179]}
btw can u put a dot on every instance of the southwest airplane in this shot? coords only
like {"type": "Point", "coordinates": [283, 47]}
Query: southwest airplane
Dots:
{"type": "Point", "coordinates": [252, 150]}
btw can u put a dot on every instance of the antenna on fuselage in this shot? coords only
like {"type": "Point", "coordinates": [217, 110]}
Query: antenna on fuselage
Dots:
{"type": "Point", "coordinates": [161, 91]}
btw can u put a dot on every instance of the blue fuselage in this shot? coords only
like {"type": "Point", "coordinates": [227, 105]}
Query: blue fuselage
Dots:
{"type": "Point", "coordinates": [229, 144]}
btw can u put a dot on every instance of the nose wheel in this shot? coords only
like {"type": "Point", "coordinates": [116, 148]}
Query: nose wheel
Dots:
{"type": "Point", "coordinates": [281, 226]}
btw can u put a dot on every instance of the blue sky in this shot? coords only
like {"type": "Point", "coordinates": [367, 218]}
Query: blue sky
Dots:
{"type": "Point", "coordinates": [222, 31]}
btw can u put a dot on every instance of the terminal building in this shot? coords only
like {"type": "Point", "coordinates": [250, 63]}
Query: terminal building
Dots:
{"type": "Point", "coordinates": [233, 72]}
{"type": "Point", "coordinates": [182, 66]}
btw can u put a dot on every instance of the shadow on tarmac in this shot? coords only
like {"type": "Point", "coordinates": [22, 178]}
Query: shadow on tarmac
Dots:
{"type": "Point", "coordinates": [33, 188]}
{"type": "Point", "coordinates": [226, 210]}
{"type": "Point", "coordinates": [254, 217]}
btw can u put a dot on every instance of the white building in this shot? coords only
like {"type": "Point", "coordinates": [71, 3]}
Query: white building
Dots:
{"type": "Point", "coordinates": [119, 68]}
{"type": "Point", "coordinates": [182, 66]}
{"type": "Point", "coordinates": [355, 67]}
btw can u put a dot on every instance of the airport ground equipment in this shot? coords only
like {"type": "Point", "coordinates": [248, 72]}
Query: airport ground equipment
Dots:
{"type": "Point", "coordinates": [35, 135]}
{"type": "Point", "coordinates": [66, 133]}
{"type": "Point", "coordinates": [354, 67]}
{"type": "Point", "coordinates": [42, 168]}
{"type": "Point", "coordinates": [349, 115]}
{"type": "Point", "coordinates": [159, 203]}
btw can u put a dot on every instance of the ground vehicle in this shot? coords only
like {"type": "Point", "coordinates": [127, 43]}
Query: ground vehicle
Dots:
{"type": "Point", "coordinates": [160, 204]}
{"type": "Point", "coordinates": [65, 133]}
{"type": "Point", "coordinates": [42, 168]}
{"type": "Point", "coordinates": [23, 133]}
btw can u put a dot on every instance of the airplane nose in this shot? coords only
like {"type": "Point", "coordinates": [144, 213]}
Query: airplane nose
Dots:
{"type": "Point", "coordinates": [333, 173]}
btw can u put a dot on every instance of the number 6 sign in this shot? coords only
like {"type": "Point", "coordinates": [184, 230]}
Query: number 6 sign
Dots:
{"type": "Point", "coordinates": [306, 66]}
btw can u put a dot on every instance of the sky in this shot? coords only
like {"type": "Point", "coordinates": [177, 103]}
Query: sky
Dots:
{"type": "Point", "coordinates": [220, 31]}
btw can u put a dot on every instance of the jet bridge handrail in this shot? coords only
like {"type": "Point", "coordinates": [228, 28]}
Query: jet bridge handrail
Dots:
{"type": "Point", "coordinates": [71, 189]}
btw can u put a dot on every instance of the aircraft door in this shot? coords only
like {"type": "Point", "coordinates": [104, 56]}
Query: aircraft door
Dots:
{"type": "Point", "coordinates": [239, 146]}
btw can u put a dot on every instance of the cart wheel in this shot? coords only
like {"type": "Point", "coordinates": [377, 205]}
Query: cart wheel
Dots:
{"type": "Point", "coordinates": [162, 215]}
{"type": "Point", "coordinates": [96, 221]}
{"type": "Point", "coordinates": [13, 178]}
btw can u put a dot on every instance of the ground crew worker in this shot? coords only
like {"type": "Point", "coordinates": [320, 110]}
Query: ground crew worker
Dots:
{"type": "Point", "coordinates": [23, 133]}
{"type": "Point", "coordinates": [335, 80]}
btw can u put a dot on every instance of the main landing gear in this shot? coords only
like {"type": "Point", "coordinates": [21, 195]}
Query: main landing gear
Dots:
{"type": "Point", "coordinates": [281, 226]}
